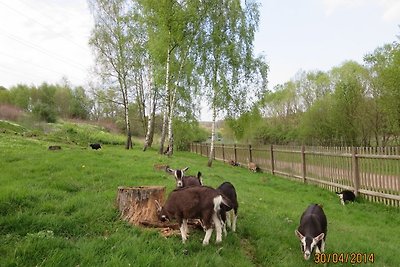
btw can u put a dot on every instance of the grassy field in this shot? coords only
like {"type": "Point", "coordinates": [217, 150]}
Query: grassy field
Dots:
{"type": "Point", "coordinates": [57, 208]}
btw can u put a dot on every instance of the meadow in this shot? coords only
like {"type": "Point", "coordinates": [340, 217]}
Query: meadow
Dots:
{"type": "Point", "coordinates": [58, 209]}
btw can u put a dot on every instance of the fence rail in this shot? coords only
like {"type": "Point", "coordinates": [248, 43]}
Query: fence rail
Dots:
{"type": "Point", "coordinates": [373, 173]}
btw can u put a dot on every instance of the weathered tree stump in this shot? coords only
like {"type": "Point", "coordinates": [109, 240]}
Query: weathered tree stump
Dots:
{"type": "Point", "coordinates": [137, 204]}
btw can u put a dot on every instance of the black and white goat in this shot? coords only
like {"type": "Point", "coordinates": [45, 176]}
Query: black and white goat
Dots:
{"type": "Point", "coordinates": [229, 191]}
{"type": "Point", "coordinates": [312, 230]}
{"type": "Point", "coordinates": [346, 196]}
{"type": "Point", "coordinates": [195, 202]}
{"type": "Point", "coordinates": [95, 146]}
{"type": "Point", "coordinates": [185, 181]}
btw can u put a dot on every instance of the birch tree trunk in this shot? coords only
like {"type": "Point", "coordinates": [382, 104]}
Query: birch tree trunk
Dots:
{"type": "Point", "coordinates": [124, 91]}
{"type": "Point", "coordinates": [129, 143]}
{"type": "Point", "coordinates": [170, 126]}
{"type": "Point", "coordinates": [166, 104]}
{"type": "Point", "coordinates": [140, 99]}
{"type": "Point", "coordinates": [211, 155]}
{"type": "Point", "coordinates": [151, 121]}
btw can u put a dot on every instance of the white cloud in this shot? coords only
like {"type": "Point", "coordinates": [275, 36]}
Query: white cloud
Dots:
{"type": "Point", "coordinates": [390, 8]}
{"type": "Point", "coordinates": [333, 5]}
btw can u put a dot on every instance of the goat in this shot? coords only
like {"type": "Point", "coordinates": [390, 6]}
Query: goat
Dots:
{"type": "Point", "coordinates": [95, 146]}
{"type": "Point", "coordinates": [312, 230]}
{"type": "Point", "coordinates": [253, 167]}
{"type": "Point", "coordinates": [195, 202]}
{"type": "Point", "coordinates": [345, 196]}
{"type": "Point", "coordinates": [234, 163]}
{"type": "Point", "coordinates": [228, 190]}
{"type": "Point", "coordinates": [185, 181]}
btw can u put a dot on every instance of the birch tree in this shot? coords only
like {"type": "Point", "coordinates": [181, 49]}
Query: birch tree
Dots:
{"type": "Point", "coordinates": [171, 27]}
{"type": "Point", "coordinates": [113, 41]}
{"type": "Point", "coordinates": [226, 52]}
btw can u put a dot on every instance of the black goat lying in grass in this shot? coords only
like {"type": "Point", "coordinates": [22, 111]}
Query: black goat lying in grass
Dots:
{"type": "Point", "coordinates": [95, 146]}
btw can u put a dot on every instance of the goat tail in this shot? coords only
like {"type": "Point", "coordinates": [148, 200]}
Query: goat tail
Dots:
{"type": "Point", "coordinates": [217, 203]}
{"type": "Point", "coordinates": [226, 202]}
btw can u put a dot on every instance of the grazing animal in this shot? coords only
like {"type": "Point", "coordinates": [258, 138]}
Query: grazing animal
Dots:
{"type": "Point", "coordinates": [312, 230]}
{"type": "Point", "coordinates": [346, 196]}
{"type": "Point", "coordinates": [195, 202]}
{"type": "Point", "coordinates": [228, 190]}
{"type": "Point", "coordinates": [95, 146]}
{"type": "Point", "coordinates": [253, 167]}
{"type": "Point", "coordinates": [234, 163]}
{"type": "Point", "coordinates": [185, 181]}
{"type": "Point", "coordinates": [54, 147]}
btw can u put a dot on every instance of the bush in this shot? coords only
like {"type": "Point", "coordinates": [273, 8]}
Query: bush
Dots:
{"type": "Point", "coordinates": [45, 112]}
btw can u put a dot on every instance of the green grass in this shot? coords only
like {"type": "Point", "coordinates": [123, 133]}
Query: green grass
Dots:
{"type": "Point", "coordinates": [57, 208]}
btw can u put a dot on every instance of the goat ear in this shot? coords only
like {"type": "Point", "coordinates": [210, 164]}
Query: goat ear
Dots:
{"type": "Point", "coordinates": [319, 237]}
{"type": "Point", "coordinates": [185, 169]}
{"type": "Point", "coordinates": [298, 234]}
{"type": "Point", "coordinates": [168, 169]}
{"type": "Point", "coordinates": [158, 206]}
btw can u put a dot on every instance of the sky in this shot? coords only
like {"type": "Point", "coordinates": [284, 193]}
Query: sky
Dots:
{"type": "Point", "coordinates": [47, 40]}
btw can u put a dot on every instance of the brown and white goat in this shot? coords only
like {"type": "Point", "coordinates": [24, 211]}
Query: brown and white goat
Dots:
{"type": "Point", "coordinates": [229, 191]}
{"type": "Point", "coordinates": [185, 181]}
{"type": "Point", "coordinates": [195, 202]}
{"type": "Point", "coordinates": [253, 167]}
{"type": "Point", "coordinates": [312, 230]}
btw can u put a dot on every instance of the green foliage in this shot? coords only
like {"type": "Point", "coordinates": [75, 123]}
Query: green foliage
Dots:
{"type": "Point", "coordinates": [57, 208]}
{"type": "Point", "coordinates": [316, 124]}
{"type": "Point", "coordinates": [20, 96]}
{"type": "Point", "coordinates": [186, 133]}
{"type": "Point", "coordinates": [385, 62]}
{"type": "Point", "coordinates": [44, 112]}
{"type": "Point", "coordinates": [247, 127]}
{"type": "Point", "coordinates": [49, 102]}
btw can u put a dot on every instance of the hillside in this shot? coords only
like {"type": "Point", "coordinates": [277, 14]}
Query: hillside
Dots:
{"type": "Point", "coordinates": [58, 209]}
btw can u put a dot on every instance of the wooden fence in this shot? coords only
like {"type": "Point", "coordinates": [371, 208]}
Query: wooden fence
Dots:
{"type": "Point", "coordinates": [372, 172]}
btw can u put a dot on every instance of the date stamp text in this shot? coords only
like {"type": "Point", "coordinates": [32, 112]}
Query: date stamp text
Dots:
{"type": "Point", "coordinates": [352, 258]}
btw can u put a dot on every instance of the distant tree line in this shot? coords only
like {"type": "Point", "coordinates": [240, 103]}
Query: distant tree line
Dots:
{"type": "Point", "coordinates": [350, 105]}
{"type": "Point", "coordinates": [51, 102]}
{"type": "Point", "coordinates": [48, 102]}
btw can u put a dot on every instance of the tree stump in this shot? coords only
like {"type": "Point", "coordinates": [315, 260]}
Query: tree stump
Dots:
{"type": "Point", "coordinates": [137, 204]}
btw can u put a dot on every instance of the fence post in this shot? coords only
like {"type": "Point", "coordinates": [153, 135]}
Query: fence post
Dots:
{"type": "Point", "coordinates": [303, 163]}
{"type": "Point", "coordinates": [272, 160]}
{"type": "Point", "coordinates": [223, 153]}
{"type": "Point", "coordinates": [356, 173]}
{"type": "Point", "coordinates": [250, 154]}
{"type": "Point", "coordinates": [201, 149]}
{"type": "Point", "coordinates": [207, 150]}
{"type": "Point", "coordinates": [234, 152]}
